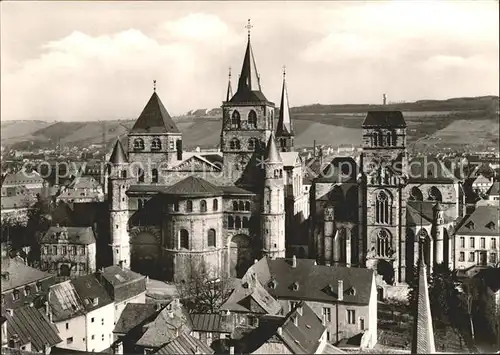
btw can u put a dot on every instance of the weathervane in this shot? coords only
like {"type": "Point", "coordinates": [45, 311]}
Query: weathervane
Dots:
{"type": "Point", "coordinates": [248, 27]}
{"type": "Point", "coordinates": [154, 85]}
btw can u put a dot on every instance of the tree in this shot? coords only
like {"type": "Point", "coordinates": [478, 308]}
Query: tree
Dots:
{"type": "Point", "coordinates": [200, 292]}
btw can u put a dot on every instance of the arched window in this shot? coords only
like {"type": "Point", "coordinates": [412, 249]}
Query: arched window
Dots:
{"type": "Point", "coordinates": [435, 194]}
{"type": "Point", "coordinates": [241, 206]}
{"type": "Point", "coordinates": [230, 222]}
{"type": "Point", "coordinates": [389, 139]}
{"type": "Point", "coordinates": [189, 206]}
{"type": "Point", "coordinates": [237, 222]}
{"type": "Point", "coordinates": [281, 173]}
{"type": "Point", "coordinates": [252, 144]}
{"type": "Point", "coordinates": [247, 206]}
{"type": "Point", "coordinates": [211, 238]}
{"type": "Point", "coordinates": [203, 206]}
{"type": "Point", "coordinates": [383, 243]}
{"type": "Point", "coordinates": [184, 239]}
{"type": "Point", "coordinates": [156, 144]}
{"type": "Point", "coordinates": [215, 204]}
{"type": "Point", "coordinates": [375, 139]}
{"type": "Point", "coordinates": [124, 174]}
{"type": "Point", "coordinates": [235, 205]}
{"type": "Point", "coordinates": [235, 120]}
{"type": "Point", "coordinates": [234, 143]}
{"type": "Point", "coordinates": [176, 206]}
{"type": "Point", "coordinates": [382, 208]}
{"type": "Point", "coordinates": [380, 137]}
{"type": "Point", "coordinates": [267, 199]}
{"type": "Point", "coordinates": [245, 222]}
{"type": "Point", "coordinates": [394, 138]}
{"type": "Point", "coordinates": [138, 144]}
{"type": "Point", "coordinates": [154, 176]}
{"type": "Point", "coordinates": [252, 119]}
{"type": "Point", "coordinates": [140, 175]}
{"type": "Point", "coordinates": [416, 194]}
{"type": "Point", "coordinates": [139, 204]}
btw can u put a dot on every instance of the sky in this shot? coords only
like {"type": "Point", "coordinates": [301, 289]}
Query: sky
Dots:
{"type": "Point", "coordinates": [84, 60]}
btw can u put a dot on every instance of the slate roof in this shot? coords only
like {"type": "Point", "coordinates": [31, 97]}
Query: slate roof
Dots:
{"type": "Point", "coordinates": [231, 190]}
{"type": "Point", "coordinates": [193, 186]}
{"type": "Point", "coordinates": [494, 190]}
{"type": "Point", "coordinates": [73, 235]}
{"type": "Point", "coordinates": [154, 118]}
{"type": "Point", "coordinates": [389, 119]}
{"type": "Point", "coordinates": [284, 126]}
{"type": "Point", "coordinates": [64, 301]}
{"type": "Point", "coordinates": [172, 321]}
{"type": "Point", "coordinates": [272, 154]}
{"type": "Point", "coordinates": [22, 178]}
{"type": "Point", "coordinates": [249, 296]}
{"type": "Point", "coordinates": [211, 322]}
{"type": "Point", "coordinates": [315, 282]}
{"type": "Point", "coordinates": [133, 315]}
{"type": "Point", "coordinates": [89, 289]}
{"type": "Point", "coordinates": [483, 221]}
{"type": "Point", "coordinates": [20, 274]}
{"type": "Point", "coordinates": [31, 325]}
{"type": "Point", "coordinates": [115, 275]}
{"type": "Point", "coordinates": [185, 344]}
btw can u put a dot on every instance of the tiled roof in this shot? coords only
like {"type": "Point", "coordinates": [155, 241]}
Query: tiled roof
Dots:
{"type": "Point", "coordinates": [185, 344]}
{"type": "Point", "coordinates": [31, 325]}
{"type": "Point", "coordinates": [133, 315]}
{"type": "Point", "coordinates": [172, 321]}
{"type": "Point", "coordinates": [64, 301]}
{"type": "Point", "coordinates": [18, 201]}
{"type": "Point", "coordinates": [154, 118]}
{"type": "Point", "coordinates": [84, 182]}
{"type": "Point", "coordinates": [313, 282]}
{"type": "Point", "coordinates": [193, 186]}
{"type": "Point", "coordinates": [250, 296]}
{"type": "Point", "coordinates": [91, 292]}
{"type": "Point", "coordinates": [389, 119]}
{"type": "Point", "coordinates": [14, 351]}
{"type": "Point", "coordinates": [73, 235]}
{"type": "Point", "coordinates": [211, 322]}
{"type": "Point", "coordinates": [235, 190]}
{"type": "Point", "coordinates": [115, 275]}
{"type": "Point", "coordinates": [22, 178]}
{"type": "Point", "coordinates": [483, 221]}
{"type": "Point", "coordinates": [20, 274]}
{"type": "Point", "coordinates": [494, 190]}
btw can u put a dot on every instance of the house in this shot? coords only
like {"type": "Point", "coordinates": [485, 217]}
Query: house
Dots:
{"type": "Point", "coordinates": [16, 207]}
{"type": "Point", "coordinates": [494, 192]}
{"type": "Point", "coordinates": [84, 314]}
{"type": "Point", "coordinates": [185, 344]}
{"type": "Point", "coordinates": [481, 184]}
{"type": "Point", "coordinates": [27, 328]}
{"type": "Point", "coordinates": [22, 284]}
{"type": "Point", "coordinates": [344, 298]}
{"type": "Point", "coordinates": [30, 180]}
{"type": "Point", "coordinates": [83, 189]}
{"type": "Point", "coordinates": [124, 286]}
{"type": "Point", "coordinates": [477, 237]}
{"type": "Point", "coordinates": [212, 327]}
{"type": "Point", "coordinates": [68, 251]}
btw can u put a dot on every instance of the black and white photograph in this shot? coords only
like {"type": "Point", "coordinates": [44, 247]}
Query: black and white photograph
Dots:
{"type": "Point", "coordinates": [250, 177]}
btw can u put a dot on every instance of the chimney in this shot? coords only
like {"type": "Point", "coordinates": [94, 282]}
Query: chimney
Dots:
{"type": "Point", "coordinates": [255, 261]}
{"type": "Point", "coordinates": [171, 314]}
{"type": "Point", "coordinates": [120, 263]}
{"type": "Point", "coordinates": [294, 261]}
{"type": "Point", "coordinates": [299, 310]}
{"type": "Point", "coordinates": [340, 295]}
{"type": "Point", "coordinates": [280, 331]}
{"type": "Point", "coordinates": [157, 306]}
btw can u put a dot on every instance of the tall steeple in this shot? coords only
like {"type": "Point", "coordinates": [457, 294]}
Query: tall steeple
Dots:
{"type": "Point", "coordinates": [284, 128]}
{"type": "Point", "coordinates": [229, 93]}
{"type": "Point", "coordinates": [423, 335]}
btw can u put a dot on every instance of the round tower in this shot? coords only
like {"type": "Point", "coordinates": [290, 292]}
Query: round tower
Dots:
{"type": "Point", "coordinates": [118, 206]}
{"type": "Point", "coordinates": [273, 203]}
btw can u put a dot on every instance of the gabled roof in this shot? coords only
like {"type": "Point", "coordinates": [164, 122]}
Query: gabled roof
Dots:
{"type": "Point", "coordinates": [91, 292]}
{"type": "Point", "coordinates": [116, 276]}
{"type": "Point", "coordinates": [284, 126]}
{"type": "Point", "coordinates": [133, 315]}
{"type": "Point", "coordinates": [185, 344]}
{"type": "Point", "coordinates": [32, 326]}
{"type": "Point", "coordinates": [193, 186]}
{"type": "Point", "coordinates": [313, 281]}
{"type": "Point", "coordinates": [384, 119]}
{"type": "Point", "coordinates": [64, 301]}
{"type": "Point", "coordinates": [272, 153]}
{"type": "Point", "coordinates": [22, 178]}
{"type": "Point", "coordinates": [212, 322]}
{"type": "Point", "coordinates": [494, 190]}
{"type": "Point", "coordinates": [483, 221]}
{"type": "Point", "coordinates": [20, 274]}
{"type": "Point", "coordinates": [154, 118]}
{"type": "Point", "coordinates": [73, 235]}
{"type": "Point", "coordinates": [118, 156]}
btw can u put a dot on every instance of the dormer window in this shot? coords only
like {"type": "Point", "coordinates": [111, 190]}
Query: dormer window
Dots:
{"type": "Point", "coordinates": [138, 144]}
{"type": "Point", "coordinates": [295, 286]}
{"type": "Point", "coordinates": [490, 225]}
{"type": "Point", "coordinates": [156, 144]}
{"type": "Point", "coordinates": [351, 291]}
{"type": "Point", "coordinates": [272, 284]}
{"type": "Point", "coordinates": [470, 225]}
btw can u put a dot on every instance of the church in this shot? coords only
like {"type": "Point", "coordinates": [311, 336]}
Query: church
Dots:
{"type": "Point", "coordinates": [172, 211]}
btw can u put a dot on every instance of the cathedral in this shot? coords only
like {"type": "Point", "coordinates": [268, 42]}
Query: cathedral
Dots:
{"type": "Point", "coordinates": [172, 210]}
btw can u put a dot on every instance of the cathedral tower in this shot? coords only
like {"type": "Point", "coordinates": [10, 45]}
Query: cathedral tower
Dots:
{"type": "Point", "coordinates": [248, 120]}
{"type": "Point", "coordinates": [118, 183]}
{"type": "Point", "coordinates": [273, 203]}
{"type": "Point", "coordinates": [284, 128]}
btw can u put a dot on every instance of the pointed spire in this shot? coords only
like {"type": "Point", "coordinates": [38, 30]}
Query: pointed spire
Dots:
{"type": "Point", "coordinates": [249, 77]}
{"type": "Point", "coordinates": [423, 335]}
{"type": "Point", "coordinates": [118, 156]}
{"type": "Point", "coordinates": [229, 93]}
{"type": "Point", "coordinates": [284, 126]}
{"type": "Point", "coordinates": [272, 153]}
{"type": "Point", "coordinates": [154, 118]}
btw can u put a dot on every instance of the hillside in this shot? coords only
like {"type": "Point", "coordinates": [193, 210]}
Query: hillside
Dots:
{"type": "Point", "coordinates": [453, 123]}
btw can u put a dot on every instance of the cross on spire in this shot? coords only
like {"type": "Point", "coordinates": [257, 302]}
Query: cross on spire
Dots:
{"type": "Point", "coordinates": [284, 71]}
{"type": "Point", "coordinates": [249, 28]}
{"type": "Point", "coordinates": [154, 85]}
{"type": "Point", "coordinates": [229, 72]}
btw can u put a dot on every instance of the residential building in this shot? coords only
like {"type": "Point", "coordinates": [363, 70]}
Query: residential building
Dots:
{"type": "Point", "coordinates": [210, 328]}
{"type": "Point", "coordinates": [344, 298]}
{"type": "Point", "coordinates": [184, 344]}
{"type": "Point", "coordinates": [493, 193]}
{"type": "Point", "coordinates": [22, 285]}
{"type": "Point", "coordinates": [68, 251]}
{"type": "Point", "coordinates": [482, 184]}
{"type": "Point", "coordinates": [28, 328]}
{"type": "Point", "coordinates": [477, 237]}
{"type": "Point", "coordinates": [84, 314]}
{"type": "Point", "coordinates": [29, 180]}
{"type": "Point", "coordinates": [83, 189]}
